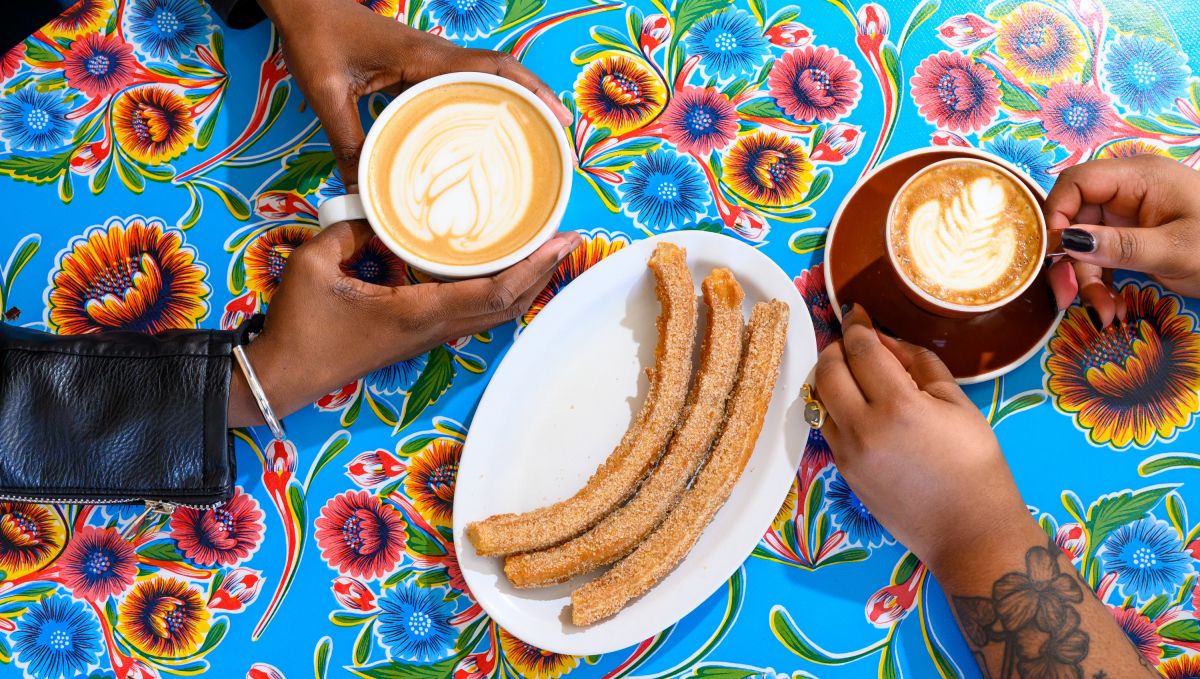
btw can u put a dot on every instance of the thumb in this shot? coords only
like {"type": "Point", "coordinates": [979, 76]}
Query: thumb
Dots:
{"type": "Point", "coordinates": [1147, 250]}
{"type": "Point", "coordinates": [339, 117]}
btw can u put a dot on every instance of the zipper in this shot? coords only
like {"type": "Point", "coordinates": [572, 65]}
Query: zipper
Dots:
{"type": "Point", "coordinates": [156, 506]}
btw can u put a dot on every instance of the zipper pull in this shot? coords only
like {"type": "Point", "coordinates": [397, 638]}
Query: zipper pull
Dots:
{"type": "Point", "coordinates": [159, 507]}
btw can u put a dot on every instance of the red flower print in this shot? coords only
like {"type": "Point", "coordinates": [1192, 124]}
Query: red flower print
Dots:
{"type": "Point", "coordinates": [99, 65]}
{"type": "Point", "coordinates": [965, 31]}
{"type": "Point", "coordinates": [237, 590]}
{"type": "Point", "coordinates": [96, 563]}
{"type": "Point", "coordinates": [353, 594]}
{"type": "Point", "coordinates": [811, 285]}
{"type": "Point", "coordinates": [1140, 630]}
{"type": "Point", "coordinates": [11, 61]}
{"type": "Point", "coordinates": [955, 93]}
{"type": "Point", "coordinates": [655, 32]}
{"type": "Point", "coordinates": [373, 467]}
{"type": "Point", "coordinates": [262, 670]}
{"type": "Point", "coordinates": [699, 120]}
{"type": "Point", "coordinates": [359, 535]}
{"type": "Point", "coordinates": [335, 400]}
{"type": "Point", "coordinates": [221, 536]}
{"type": "Point", "coordinates": [1077, 116]}
{"type": "Point", "coordinates": [815, 83]}
{"type": "Point", "coordinates": [838, 143]}
{"type": "Point", "coordinates": [789, 34]}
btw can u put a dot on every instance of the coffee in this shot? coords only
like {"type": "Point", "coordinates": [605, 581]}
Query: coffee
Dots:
{"type": "Point", "coordinates": [464, 174]}
{"type": "Point", "coordinates": [966, 233]}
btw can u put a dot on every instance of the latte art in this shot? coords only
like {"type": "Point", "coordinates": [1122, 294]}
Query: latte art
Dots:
{"type": "Point", "coordinates": [966, 233]}
{"type": "Point", "coordinates": [465, 173]}
{"type": "Point", "coordinates": [965, 239]}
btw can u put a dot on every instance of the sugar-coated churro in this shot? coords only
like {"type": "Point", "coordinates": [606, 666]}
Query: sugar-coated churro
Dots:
{"type": "Point", "coordinates": [620, 532]}
{"type": "Point", "coordinates": [640, 447]}
{"type": "Point", "coordinates": [674, 538]}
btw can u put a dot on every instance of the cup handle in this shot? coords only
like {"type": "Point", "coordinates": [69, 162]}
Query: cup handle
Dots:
{"type": "Point", "coordinates": [340, 209]}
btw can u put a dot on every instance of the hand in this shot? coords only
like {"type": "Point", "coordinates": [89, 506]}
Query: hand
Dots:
{"type": "Point", "coordinates": [914, 448]}
{"type": "Point", "coordinates": [338, 51]}
{"type": "Point", "coordinates": [325, 328]}
{"type": "Point", "coordinates": [1140, 214]}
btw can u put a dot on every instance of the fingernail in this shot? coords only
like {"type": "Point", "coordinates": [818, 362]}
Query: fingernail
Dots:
{"type": "Point", "coordinates": [1094, 318]}
{"type": "Point", "coordinates": [846, 309]}
{"type": "Point", "coordinates": [1078, 240]}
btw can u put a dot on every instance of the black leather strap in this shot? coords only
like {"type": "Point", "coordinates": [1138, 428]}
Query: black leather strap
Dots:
{"type": "Point", "coordinates": [116, 416]}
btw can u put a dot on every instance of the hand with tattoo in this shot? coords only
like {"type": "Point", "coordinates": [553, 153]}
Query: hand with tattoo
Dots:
{"type": "Point", "coordinates": [925, 462]}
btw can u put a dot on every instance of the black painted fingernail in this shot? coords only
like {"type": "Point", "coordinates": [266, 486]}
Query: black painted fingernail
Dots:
{"type": "Point", "coordinates": [1094, 318]}
{"type": "Point", "coordinates": [1078, 240]}
{"type": "Point", "coordinates": [846, 309]}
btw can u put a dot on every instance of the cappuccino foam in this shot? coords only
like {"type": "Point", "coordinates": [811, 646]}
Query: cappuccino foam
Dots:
{"type": "Point", "coordinates": [465, 174]}
{"type": "Point", "coordinates": [966, 233]}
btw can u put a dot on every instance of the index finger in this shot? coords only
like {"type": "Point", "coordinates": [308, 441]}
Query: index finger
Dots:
{"type": "Point", "coordinates": [506, 66]}
{"type": "Point", "coordinates": [927, 370]}
{"type": "Point", "coordinates": [877, 371]}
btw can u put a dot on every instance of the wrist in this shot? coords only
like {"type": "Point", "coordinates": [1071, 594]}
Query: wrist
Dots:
{"type": "Point", "coordinates": [959, 561]}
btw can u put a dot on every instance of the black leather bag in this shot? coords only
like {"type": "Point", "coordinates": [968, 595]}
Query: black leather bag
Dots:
{"type": "Point", "coordinates": [116, 417]}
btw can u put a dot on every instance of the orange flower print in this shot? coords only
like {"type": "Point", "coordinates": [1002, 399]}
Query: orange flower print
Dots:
{"type": "Point", "coordinates": [267, 254]}
{"type": "Point", "coordinates": [30, 537]}
{"type": "Point", "coordinates": [619, 94]}
{"type": "Point", "coordinates": [154, 124]}
{"type": "Point", "coordinates": [130, 274]}
{"type": "Point", "coordinates": [85, 16]}
{"type": "Point", "coordinates": [532, 662]}
{"type": "Point", "coordinates": [164, 617]}
{"type": "Point", "coordinates": [596, 246]}
{"type": "Point", "coordinates": [768, 169]}
{"type": "Point", "coordinates": [1128, 148]}
{"type": "Point", "coordinates": [1134, 382]}
{"type": "Point", "coordinates": [430, 481]}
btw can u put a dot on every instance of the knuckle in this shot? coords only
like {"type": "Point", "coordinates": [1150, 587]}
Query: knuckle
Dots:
{"type": "Point", "coordinates": [857, 344]}
{"type": "Point", "coordinates": [1128, 247]}
{"type": "Point", "coordinates": [500, 299]}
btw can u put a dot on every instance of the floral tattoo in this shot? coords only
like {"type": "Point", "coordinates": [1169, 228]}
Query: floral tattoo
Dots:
{"type": "Point", "coordinates": [1033, 615]}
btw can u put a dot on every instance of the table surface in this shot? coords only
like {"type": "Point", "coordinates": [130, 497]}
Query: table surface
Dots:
{"type": "Point", "coordinates": [166, 165]}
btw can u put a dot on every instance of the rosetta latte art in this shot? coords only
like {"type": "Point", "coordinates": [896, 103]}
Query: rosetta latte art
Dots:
{"type": "Point", "coordinates": [466, 176]}
{"type": "Point", "coordinates": [964, 243]}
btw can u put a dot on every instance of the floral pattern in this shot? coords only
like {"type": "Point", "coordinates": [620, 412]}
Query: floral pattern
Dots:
{"type": "Point", "coordinates": [160, 171]}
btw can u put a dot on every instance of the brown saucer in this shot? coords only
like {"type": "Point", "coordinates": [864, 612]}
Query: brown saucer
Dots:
{"type": "Point", "coordinates": [857, 271]}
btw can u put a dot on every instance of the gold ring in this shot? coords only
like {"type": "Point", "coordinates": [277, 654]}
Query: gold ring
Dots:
{"type": "Point", "coordinates": [814, 410]}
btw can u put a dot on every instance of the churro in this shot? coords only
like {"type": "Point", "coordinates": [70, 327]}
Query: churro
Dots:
{"type": "Point", "coordinates": [640, 447]}
{"type": "Point", "coordinates": [620, 532]}
{"type": "Point", "coordinates": [674, 538]}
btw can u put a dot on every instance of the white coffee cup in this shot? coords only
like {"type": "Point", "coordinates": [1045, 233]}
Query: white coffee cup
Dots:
{"type": "Point", "coordinates": [945, 307]}
{"type": "Point", "coordinates": [359, 205]}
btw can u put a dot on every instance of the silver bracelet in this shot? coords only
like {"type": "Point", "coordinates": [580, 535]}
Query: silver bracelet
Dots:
{"type": "Point", "coordinates": [260, 396]}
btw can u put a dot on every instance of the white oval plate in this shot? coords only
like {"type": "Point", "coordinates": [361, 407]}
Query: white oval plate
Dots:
{"type": "Point", "coordinates": [561, 400]}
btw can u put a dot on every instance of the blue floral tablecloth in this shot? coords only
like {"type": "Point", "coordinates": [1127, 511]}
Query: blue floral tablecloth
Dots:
{"type": "Point", "coordinates": [157, 169]}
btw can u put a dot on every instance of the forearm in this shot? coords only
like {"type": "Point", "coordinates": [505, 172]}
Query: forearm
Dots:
{"type": "Point", "coordinates": [1025, 612]}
